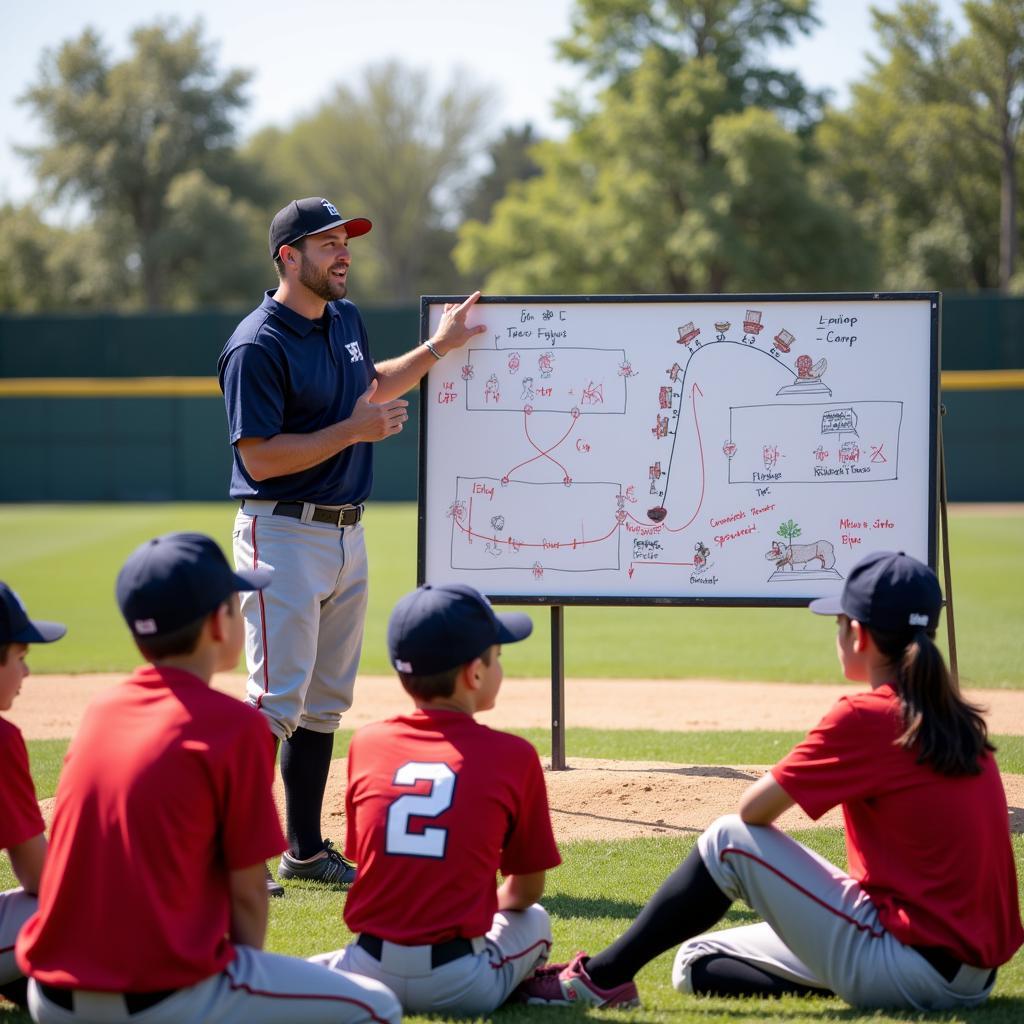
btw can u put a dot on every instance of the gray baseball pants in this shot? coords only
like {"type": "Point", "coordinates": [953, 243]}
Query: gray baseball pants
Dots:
{"type": "Point", "coordinates": [303, 633]}
{"type": "Point", "coordinates": [255, 988]}
{"type": "Point", "coordinates": [16, 907]}
{"type": "Point", "coordinates": [820, 927]}
{"type": "Point", "coordinates": [519, 942]}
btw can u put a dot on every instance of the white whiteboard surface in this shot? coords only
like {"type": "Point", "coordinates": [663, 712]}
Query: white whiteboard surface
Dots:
{"type": "Point", "coordinates": [713, 450]}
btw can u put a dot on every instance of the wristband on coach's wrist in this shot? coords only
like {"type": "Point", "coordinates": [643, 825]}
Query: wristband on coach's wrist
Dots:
{"type": "Point", "coordinates": [433, 351]}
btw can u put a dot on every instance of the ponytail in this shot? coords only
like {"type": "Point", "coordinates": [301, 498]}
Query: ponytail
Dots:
{"type": "Point", "coordinates": [944, 730]}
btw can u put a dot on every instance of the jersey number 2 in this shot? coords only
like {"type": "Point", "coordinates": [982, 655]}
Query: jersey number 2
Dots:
{"type": "Point", "coordinates": [430, 842]}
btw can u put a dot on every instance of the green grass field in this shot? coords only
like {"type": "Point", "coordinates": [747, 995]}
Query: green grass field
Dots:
{"type": "Point", "coordinates": [712, 748]}
{"type": "Point", "coordinates": [63, 560]}
{"type": "Point", "coordinates": [592, 898]}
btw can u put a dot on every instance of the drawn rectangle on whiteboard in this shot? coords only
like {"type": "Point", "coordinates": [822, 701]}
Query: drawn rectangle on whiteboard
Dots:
{"type": "Point", "coordinates": [632, 480]}
{"type": "Point", "coordinates": [491, 533]}
{"type": "Point", "coordinates": [579, 381]}
{"type": "Point", "coordinates": [849, 442]}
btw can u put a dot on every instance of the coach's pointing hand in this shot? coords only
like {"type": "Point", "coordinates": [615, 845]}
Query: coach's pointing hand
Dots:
{"type": "Point", "coordinates": [452, 331]}
{"type": "Point", "coordinates": [373, 422]}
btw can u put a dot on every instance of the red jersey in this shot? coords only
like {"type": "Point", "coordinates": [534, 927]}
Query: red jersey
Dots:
{"type": "Point", "coordinates": [165, 790]}
{"type": "Point", "coordinates": [933, 851]}
{"type": "Point", "coordinates": [436, 805]}
{"type": "Point", "coordinates": [20, 819]}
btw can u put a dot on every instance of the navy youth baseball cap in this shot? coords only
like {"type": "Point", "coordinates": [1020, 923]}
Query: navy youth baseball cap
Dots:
{"type": "Point", "coordinates": [434, 629]}
{"type": "Point", "coordinates": [17, 628]}
{"type": "Point", "coordinates": [310, 216]}
{"type": "Point", "coordinates": [887, 590]}
{"type": "Point", "coordinates": [176, 579]}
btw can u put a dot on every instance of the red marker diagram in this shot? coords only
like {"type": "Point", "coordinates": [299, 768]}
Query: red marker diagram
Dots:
{"type": "Point", "coordinates": [652, 448]}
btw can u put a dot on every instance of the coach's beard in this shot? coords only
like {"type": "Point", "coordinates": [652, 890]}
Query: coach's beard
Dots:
{"type": "Point", "coordinates": [321, 283]}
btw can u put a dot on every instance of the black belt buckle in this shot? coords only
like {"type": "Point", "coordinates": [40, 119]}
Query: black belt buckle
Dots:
{"type": "Point", "coordinates": [440, 954]}
{"type": "Point", "coordinates": [372, 944]}
{"type": "Point", "coordinates": [941, 959]}
{"type": "Point", "coordinates": [446, 952]}
{"type": "Point", "coordinates": [337, 517]}
{"type": "Point", "coordinates": [134, 1002]}
{"type": "Point", "coordinates": [58, 996]}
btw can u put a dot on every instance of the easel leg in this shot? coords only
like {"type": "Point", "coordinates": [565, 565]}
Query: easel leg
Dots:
{"type": "Point", "coordinates": [557, 688]}
{"type": "Point", "coordinates": [947, 572]}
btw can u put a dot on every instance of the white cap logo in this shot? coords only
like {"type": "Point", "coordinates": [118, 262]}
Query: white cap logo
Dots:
{"type": "Point", "coordinates": [917, 619]}
{"type": "Point", "coordinates": [403, 666]}
{"type": "Point", "coordinates": [145, 627]}
{"type": "Point", "coordinates": [331, 208]}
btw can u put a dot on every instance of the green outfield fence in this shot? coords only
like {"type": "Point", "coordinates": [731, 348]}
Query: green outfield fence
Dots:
{"type": "Point", "coordinates": [109, 407]}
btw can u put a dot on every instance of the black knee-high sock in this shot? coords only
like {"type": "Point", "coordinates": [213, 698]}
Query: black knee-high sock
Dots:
{"type": "Point", "coordinates": [688, 903]}
{"type": "Point", "coordinates": [305, 762]}
{"type": "Point", "coordinates": [718, 974]}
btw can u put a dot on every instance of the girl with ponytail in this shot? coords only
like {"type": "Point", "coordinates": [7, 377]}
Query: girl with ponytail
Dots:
{"type": "Point", "coordinates": [927, 908]}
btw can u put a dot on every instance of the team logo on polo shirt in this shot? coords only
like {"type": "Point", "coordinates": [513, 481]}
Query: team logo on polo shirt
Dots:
{"type": "Point", "coordinates": [355, 354]}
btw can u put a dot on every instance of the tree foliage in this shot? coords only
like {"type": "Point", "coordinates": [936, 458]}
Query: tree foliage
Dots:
{"type": "Point", "coordinates": [138, 141]}
{"type": "Point", "coordinates": [929, 151]}
{"type": "Point", "coordinates": [511, 160]}
{"type": "Point", "coordinates": [391, 149]}
{"type": "Point", "coordinates": [693, 172]}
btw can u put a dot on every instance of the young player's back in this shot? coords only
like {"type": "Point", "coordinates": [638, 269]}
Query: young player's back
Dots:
{"type": "Point", "coordinates": [154, 898]}
{"type": "Point", "coordinates": [436, 806]}
{"type": "Point", "coordinates": [162, 772]}
{"type": "Point", "coordinates": [436, 803]}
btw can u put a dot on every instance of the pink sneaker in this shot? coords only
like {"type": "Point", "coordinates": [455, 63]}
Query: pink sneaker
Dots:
{"type": "Point", "coordinates": [564, 984]}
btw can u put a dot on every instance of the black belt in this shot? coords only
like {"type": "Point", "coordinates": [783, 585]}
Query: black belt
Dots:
{"type": "Point", "coordinates": [134, 1002]}
{"type": "Point", "coordinates": [440, 954]}
{"type": "Point", "coordinates": [348, 516]}
{"type": "Point", "coordinates": [945, 962]}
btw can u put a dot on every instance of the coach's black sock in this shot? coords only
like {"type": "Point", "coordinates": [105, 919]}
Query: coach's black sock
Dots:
{"type": "Point", "coordinates": [720, 975]}
{"type": "Point", "coordinates": [305, 762]}
{"type": "Point", "coordinates": [688, 903]}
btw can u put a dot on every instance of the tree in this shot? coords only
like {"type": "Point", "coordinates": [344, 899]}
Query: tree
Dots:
{"type": "Point", "coordinates": [930, 147]}
{"type": "Point", "coordinates": [511, 160]}
{"type": "Point", "coordinates": [127, 137]}
{"type": "Point", "coordinates": [692, 173]}
{"type": "Point", "coordinates": [392, 150]}
{"type": "Point", "coordinates": [45, 268]}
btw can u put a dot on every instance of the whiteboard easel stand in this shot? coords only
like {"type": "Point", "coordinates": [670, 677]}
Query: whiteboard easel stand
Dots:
{"type": "Point", "coordinates": [947, 573]}
{"type": "Point", "coordinates": [557, 688]}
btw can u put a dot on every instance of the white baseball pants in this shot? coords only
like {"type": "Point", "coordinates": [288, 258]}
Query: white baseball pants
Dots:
{"type": "Point", "coordinates": [519, 942]}
{"type": "Point", "coordinates": [304, 632]}
{"type": "Point", "coordinates": [820, 927]}
{"type": "Point", "coordinates": [255, 988]}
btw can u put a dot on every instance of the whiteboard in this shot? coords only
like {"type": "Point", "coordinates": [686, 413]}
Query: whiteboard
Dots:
{"type": "Point", "coordinates": [729, 449]}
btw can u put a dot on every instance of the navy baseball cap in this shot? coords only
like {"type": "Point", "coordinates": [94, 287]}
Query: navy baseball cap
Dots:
{"type": "Point", "coordinates": [310, 216]}
{"type": "Point", "coordinates": [434, 629]}
{"type": "Point", "coordinates": [176, 579]}
{"type": "Point", "coordinates": [17, 628]}
{"type": "Point", "coordinates": [888, 590]}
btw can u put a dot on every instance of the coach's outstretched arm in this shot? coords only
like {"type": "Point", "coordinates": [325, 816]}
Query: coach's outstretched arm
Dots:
{"type": "Point", "coordinates": [398, 375]}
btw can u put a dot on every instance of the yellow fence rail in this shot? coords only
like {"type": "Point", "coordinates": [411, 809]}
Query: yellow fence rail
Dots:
{"type": "Point", "coordinates": [207, 387]}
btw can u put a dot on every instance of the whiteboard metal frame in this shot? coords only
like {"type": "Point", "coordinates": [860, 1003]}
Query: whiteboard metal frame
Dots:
{"type": "Point", "coordinates": [935, 302]}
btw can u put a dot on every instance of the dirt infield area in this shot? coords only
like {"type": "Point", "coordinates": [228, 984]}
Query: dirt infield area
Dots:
{"type": "Point", "coordinates": [593, 799]}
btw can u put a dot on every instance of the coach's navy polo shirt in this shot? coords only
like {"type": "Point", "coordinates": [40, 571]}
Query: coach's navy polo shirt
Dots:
{"type": "Point", "coordinates": [284, 374]}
